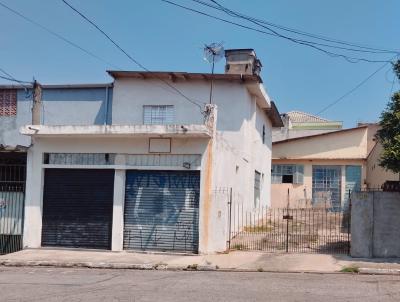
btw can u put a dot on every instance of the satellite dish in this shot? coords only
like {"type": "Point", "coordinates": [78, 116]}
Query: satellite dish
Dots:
{"type": "Point", "coordinates": [213, 52]}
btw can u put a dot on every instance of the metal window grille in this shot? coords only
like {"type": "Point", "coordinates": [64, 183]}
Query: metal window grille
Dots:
{"type": "Point", "coordinates": [296, 171]}
{"type": "Point", "coordinates": [8, 102]}
{"type": "Point", "coordinates": [326, 185]}
{"type": "Point", "coordinates": [158, 114]}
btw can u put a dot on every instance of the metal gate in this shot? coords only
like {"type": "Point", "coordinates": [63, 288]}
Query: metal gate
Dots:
{"type": "Point", "coordinates": [162, 210]}
{"type": "Point", "coordinates": [12, 195]}
{"type": "Point", "coordinates": [77, 208]}
{"type": "Point", "coordinates": [301, 230]}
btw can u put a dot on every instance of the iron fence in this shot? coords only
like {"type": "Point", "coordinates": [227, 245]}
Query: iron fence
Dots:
{"type": "Point", "coordinates": [12, 195]}
{"type": "Point", "coordinates": [307, 230]}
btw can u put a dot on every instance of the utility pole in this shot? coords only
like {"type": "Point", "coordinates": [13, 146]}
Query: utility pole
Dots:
{"type": "Point", "coordinates": [37, 103]}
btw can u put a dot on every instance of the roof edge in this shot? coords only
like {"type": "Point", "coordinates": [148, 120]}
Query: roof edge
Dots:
{"type": "Point", "coordinates": [178, 75]}
{"type": "Point", "coordinates": [320, 134]}
{"type": "Point", "coordinates": [274, 116]}
{"type": "Point", "coordinates": [55, 86]}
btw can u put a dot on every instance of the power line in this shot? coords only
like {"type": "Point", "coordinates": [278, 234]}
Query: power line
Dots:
{"type": "Point", "coordinates": [128, 55]}
{"type": "Point", "coordinates": [350, 59]}
{"type": "Point", "coordinates": [296, 31]}
{"type": "Point", "coordinates": [56, 35]}
{"type": "Point", "coordinates": [13, 80]}
{"type": "Point", "coordinates": [9, 77]}
{"type": "Point", "coordinates": [352, 90]}
{"type": "Point", "coordinates": [261, 24]}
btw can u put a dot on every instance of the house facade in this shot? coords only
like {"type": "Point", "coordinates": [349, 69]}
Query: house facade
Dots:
{"type": "Point", "coordinates": [58, 104]}
{"type": "Point", "coordinates": [321, 169]}
{"type": "Point", "coordinates": [144, 169]}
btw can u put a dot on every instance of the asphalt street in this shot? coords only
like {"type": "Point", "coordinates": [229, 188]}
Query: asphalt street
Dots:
{"type": "Point", "coordinates": [72, 285]}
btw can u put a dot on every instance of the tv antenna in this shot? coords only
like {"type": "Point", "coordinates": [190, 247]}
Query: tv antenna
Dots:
{"type": "Point", "coordinates": [212, 54]}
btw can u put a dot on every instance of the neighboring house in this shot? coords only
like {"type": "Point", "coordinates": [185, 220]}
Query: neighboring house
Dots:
{"type": "Point", "coordinates": [79, 104]}
{"type": "Point", "coordinates": [376, 175]}
{"type": "Point", "coordinates": [298, 124]}
{"type": "Point", "coordinates": [143, 171]}
{"type": "Point", "coordinates": [321, 169]}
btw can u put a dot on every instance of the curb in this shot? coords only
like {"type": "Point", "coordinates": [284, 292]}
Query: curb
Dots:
{"type": "Point", "coordinates": [193, 267]}
{"type": "Point", "coordinates": [378, 271]}
{"type": "Point", "coordinates": [104, 265]}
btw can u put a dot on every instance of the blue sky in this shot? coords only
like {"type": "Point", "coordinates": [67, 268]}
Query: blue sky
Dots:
{"type": "Point", "coordinates": [163, 37]}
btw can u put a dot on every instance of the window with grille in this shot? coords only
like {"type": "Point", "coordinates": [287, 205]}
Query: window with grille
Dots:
{"type": "Point", "coordinates": [8, 102]}
{"type": "Point", "coordinates": [257, 188]}
{"type": "Point", "coordinates": [158, 114]}
{"type": "Point", "coordinates": [293, 174]}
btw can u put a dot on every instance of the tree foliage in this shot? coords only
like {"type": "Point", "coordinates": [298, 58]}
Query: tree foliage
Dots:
{"type": "Point", "coordinates": [389, 133]}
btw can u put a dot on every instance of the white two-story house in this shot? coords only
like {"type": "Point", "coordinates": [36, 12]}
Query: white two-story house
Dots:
{"type": "Point", "coordinates": [149, 178]}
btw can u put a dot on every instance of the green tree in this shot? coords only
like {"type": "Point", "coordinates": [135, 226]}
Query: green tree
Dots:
{"type": "Point", "coordinates": [389, 133]}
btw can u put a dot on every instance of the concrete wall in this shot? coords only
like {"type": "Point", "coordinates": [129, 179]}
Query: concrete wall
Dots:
{"type": "Point", "coordinates": [60, 106]}
{"type": "Point", "coordinates": [375, 224]}
{"type": "Point", "coordinates": [298, 193]}
{"type": "Point", "coordinates": [77, 106]}
{"type": "Point", "coordinates": [376, 175]}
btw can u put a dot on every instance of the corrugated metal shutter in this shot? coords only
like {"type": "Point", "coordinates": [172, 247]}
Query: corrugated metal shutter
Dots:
{"type": "Point", "coordinates": [77, 208]}
{"type": "Point", "coordinates": [162, 210]}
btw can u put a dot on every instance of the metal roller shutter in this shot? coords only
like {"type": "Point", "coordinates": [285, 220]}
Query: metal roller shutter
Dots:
{"type": "Point", "coordinates": [77, 208]}
{"type": "Point", "coordinates": [162, 210]}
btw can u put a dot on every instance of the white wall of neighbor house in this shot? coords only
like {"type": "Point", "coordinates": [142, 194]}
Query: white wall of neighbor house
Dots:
{"type": "Point", "coordinates": [35, 174]}
{"type": "Point", "coordinates": [300, 192]}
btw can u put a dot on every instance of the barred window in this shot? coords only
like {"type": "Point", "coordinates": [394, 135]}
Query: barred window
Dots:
{"type": "Point", "coordinates": [287, 174]}
{"type": "Point", "coordinates": [158, 114]}
{"type": "Point", "coordinates": [8, 102]}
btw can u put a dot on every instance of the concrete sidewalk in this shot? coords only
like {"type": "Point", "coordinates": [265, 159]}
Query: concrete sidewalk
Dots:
{"type": "Point", "coordinates": [234, 261]}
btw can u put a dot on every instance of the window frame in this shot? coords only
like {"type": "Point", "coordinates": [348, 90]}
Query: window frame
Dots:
{"type": "Point", "coordinates": [159, 117]}
{"type": "Point", "coordinates": [279, 171]}
{"type": "Point", "coordinates": [257, 188]}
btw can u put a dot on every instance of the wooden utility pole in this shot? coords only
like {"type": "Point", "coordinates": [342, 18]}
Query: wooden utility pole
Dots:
{"type": "Point", "coordinates": [37, 103]}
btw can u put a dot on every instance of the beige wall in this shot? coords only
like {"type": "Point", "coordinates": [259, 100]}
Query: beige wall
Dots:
{"type": "Point", "coordinates": [376, 175]}
{"type": "Point", "coordinates": [350, 144]}
{"type": "Point", "coordinates": [298, 193]}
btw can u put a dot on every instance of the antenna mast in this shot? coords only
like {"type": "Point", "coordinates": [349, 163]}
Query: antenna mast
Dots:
{"type": "Point", "coordinates": [212, 54]}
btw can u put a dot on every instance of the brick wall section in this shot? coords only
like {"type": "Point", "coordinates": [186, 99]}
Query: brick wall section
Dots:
{"type": "Point", "coordinates": [8, 102]}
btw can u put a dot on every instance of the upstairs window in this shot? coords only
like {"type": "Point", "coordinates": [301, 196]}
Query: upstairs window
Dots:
{"type": "Point", "coordinates": [158, 114]}
{"type": "Point", "coordinates": [292, 174]}
{"type": "Point", "coordinates": [8, 102]}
